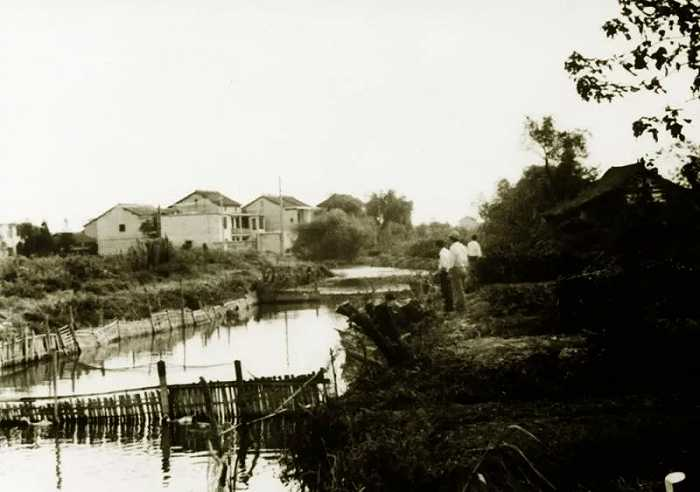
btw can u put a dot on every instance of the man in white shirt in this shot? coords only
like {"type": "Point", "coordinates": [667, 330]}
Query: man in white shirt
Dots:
{"type": "Point", "coordinates": [458, 272]}
{"type": "Point", "coordinates": [473, 255]}
{"type": "Point", "coordinates": [473, 250]}
{"type": "Point", "coordinates": [445, 264]}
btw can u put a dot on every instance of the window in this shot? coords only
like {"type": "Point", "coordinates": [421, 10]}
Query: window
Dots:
{"type": "Point", "coordinates": [291, 219]}
{"type": "Point", "coordinates": [122, 227]}
{"type": "Point", "coordinates": [253, 223]}
{"type": "Point", "coordinates": [225, 221]}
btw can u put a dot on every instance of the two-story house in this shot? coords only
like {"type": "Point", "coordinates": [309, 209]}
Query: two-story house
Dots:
{"type": "Point", "coordinates": [282, 215]}
{"type": "Point", "coordinates": [210, 218]}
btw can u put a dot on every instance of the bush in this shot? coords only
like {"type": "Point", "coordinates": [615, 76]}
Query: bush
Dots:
{"type": "Point", "coordinates": [332, 236]}
{"type": "Point", "coordinates": [524, 268]}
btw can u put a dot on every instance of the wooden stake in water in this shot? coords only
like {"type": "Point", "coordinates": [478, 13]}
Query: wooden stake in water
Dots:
{"type": "Point", "coordinates": [54, 377]}
{"type": "Point", "coordinates": [239, 370]}
{"type": "Point", "coordinates": [335, 381]}
{"type": "Point", "coordinates": [163, 383]}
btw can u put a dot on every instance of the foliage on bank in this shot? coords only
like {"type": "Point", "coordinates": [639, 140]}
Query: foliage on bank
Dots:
{"type": "Point", "coordinates": [469, 411]}
{"type": "Point", "coordinates": [150, 277]}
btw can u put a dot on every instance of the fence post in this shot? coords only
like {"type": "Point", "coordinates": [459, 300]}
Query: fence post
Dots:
{"type": "Point", "coordinates": [673, 479]}
{"type": "Point", "coordinates": [335, 381]}
{"type": "Point", "coordinates": [163, 383]}
{"type": "Point", "coordinates": [150, 310]}
{"type": "Point", "coordinates": [239, 370]}
{"type": "Point", "coordinates": [25, 345]}
{"type": "Point", "coordinates": [54, 376]}
{"type": "Point", "coordinates": [182, 306]}
{"type": "Point", "coordinates": [71, 326]}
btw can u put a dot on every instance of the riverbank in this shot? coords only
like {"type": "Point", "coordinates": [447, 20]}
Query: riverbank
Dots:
{"type": "Point", "coordinates": [41, 294]}
{"type": "Point", "coordinates": [505, 397]}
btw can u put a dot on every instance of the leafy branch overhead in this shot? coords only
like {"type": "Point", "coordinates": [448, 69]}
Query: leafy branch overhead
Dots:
{"type": "Point", "coordinates": [665, 40]}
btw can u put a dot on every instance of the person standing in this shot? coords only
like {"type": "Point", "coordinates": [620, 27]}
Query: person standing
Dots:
{"type": "Point", "coordinates": [445, 264]}
{"type": "Point", "coordinates": [458, 272]}
{"type": "Point", "coordinates": [473, 250]}
{"type": "Point", "coordinates": [473, 255]}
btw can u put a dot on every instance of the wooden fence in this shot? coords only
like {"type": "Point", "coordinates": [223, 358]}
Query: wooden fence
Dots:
{"type": "Point", "coordinates": [230, 400]}
{"type": "Point", "coordinates": [31, 348]}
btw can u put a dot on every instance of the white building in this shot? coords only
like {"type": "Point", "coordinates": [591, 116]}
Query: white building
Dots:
{"type": "Point", "coordinates": [212, 219]}
{"type": "Point", "coordinates": [119, 228]}
{"type": "Point", "coordinates": [270, 208]}
{"type": "Point", "coordinates": [9, 238]}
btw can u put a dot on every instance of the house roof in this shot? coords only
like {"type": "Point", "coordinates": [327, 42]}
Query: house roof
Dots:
{"type": "Point", "coordinates": [614, 178]}
{"type": "Point", "coordinates": [289, 201]}
{"type": "Point", "coordinates": [136, 209]}
{"type": "Point", "coordinates": [213, 196]}
{"type": "Point", "coordinates": [325, 203]}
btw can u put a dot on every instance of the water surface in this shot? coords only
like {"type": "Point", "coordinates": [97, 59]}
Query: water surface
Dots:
{"type": "Point", "coordinates": [287, 340]}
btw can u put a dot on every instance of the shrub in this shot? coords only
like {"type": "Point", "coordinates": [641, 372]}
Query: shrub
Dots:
{"type": "Point", "coordinates": [332, 236]}
{"type": "Point", "coordinates": [506, 268]}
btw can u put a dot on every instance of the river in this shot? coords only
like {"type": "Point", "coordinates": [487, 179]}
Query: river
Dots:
{"type": "Point", "coordinates": [293, 339]}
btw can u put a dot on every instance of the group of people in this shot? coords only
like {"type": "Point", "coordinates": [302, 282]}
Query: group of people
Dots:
{"type": "Point", "coordinates": [453, 265]}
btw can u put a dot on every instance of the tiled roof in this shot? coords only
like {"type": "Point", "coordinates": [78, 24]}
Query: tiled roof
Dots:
{"type": "Point", "coordinates": [213, 196]}
{"type": "Point", "coordinates": [289, 201]}
{"type": "Point", "coordinates": [134, 208]}
{"type": "Point", "coordinates": [614, 178]}
{"type": "Point", "coordinates": [335, 196]}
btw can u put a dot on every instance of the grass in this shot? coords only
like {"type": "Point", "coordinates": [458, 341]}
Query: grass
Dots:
{"type": "Point", "coordinates": [125, 286]}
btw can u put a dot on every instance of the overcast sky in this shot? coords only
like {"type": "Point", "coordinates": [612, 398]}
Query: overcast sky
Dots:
{"type": "Point", "coordinates": [143, 101]}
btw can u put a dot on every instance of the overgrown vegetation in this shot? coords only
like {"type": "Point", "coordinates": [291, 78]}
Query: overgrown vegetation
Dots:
{"type": "Point", "coordinates": [151, 276]}
{"type": "Point", "coordinates": [480, 404]}
{"type": "Point", "coordinates": [333, 235]}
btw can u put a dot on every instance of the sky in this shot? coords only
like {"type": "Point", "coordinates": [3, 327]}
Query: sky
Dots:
{"type": "Point", "coordinates": [126, 101]}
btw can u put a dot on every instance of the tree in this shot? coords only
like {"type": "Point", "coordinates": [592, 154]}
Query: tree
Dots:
{"type": "Point", "coordinates": [513, 222]}
{"type": "Point", "coordinates": [561, 152]}
{"type": "Point", "coordinates": [150, 228]}
{"type": "Point", "coordinates": [332, 235]}
{"type": "Point", "coordinates": [663, 39]}
{"type": "Point", "coordinates": [386, 208]}
{"type": "Point", "coordinates": [347, 203]}
{"type": "Point", "coordinates": [34, 241]}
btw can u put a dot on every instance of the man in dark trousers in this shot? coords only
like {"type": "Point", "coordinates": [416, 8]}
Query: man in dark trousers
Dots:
{"type": "Point", "coordinates": [445, 263]}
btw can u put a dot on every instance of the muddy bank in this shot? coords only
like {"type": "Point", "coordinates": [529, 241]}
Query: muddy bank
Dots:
{"type": "Point", "coordinates": [519, 409]}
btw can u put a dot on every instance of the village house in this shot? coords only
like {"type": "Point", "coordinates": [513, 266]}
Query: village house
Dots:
{"type": "Point", "coordinates": [618, 188]}
{"type": "Point", "coordinates": [212, 219]}
{"type": "Point", "coordinates": [9, 238]}
{"type": "Point", "coordinates": [628, 207]}
{"type": "Point", "coordinates": [119, 228]}
{"type": "Point", "coordinates": [270, 208]}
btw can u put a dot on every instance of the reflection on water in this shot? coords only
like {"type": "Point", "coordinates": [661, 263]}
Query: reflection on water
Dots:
{"type": "Point", "coordinates": [292, 340]}
{"type": "Point", "coordinates": [134, 458]}
{"type": "Point", "coordinates": [295, 340]}
{"type": "Point", "coordinates": [372, 272]}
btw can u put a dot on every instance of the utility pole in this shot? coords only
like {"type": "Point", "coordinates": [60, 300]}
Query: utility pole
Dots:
{"type": "Point", "coordinates": [281, 220]}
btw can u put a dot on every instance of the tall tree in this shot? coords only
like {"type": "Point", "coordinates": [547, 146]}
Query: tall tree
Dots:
{"type": "Point", "coordinates": [663, 39]}
{"type": "Point", "coordinates": [513, 222]}
{"type": "Point", "coordinates": [387, 208]}
{"type": "Point", "coordinates": [561, 152]}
